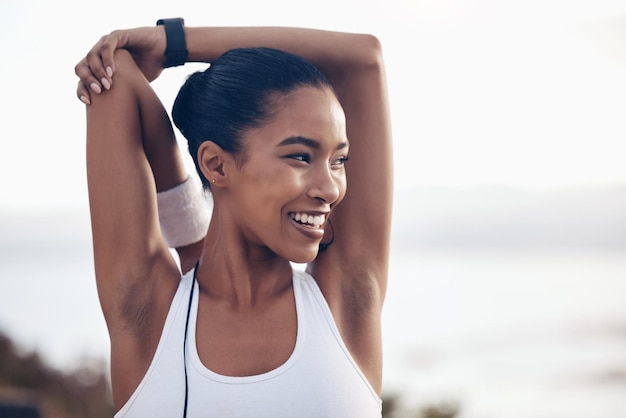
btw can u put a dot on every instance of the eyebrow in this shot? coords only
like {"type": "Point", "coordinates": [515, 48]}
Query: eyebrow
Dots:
{"type": "Point", "coordinates": [311, 143]}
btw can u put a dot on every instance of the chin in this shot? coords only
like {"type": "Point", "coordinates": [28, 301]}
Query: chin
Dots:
{"type": "Point", "coordinates": [304, 257]}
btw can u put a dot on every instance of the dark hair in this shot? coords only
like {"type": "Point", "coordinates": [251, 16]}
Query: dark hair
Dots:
{"type": "Point", "coordinates": [240, 90]}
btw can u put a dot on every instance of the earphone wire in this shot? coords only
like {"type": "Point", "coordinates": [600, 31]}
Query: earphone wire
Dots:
{"type": "Point", "coordinates": [193, 284]}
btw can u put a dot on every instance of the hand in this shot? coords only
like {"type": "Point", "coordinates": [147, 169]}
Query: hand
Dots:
{"type": "Point", "coordinates": [96, 70]}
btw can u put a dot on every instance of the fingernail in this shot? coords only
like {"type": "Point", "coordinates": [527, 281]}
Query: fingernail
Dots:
{"type": "Point", "coordinates": [84, 100]}
{"type": "Point", "coordinates": [95, 87]}
{"type": "Point", "coordinates": [109, 71]}
{"type": "Point", "coordinates": [105, 83]}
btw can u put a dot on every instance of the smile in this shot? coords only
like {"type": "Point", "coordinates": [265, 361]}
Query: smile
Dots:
{"type": "Point", "coordinates": [314, 221]}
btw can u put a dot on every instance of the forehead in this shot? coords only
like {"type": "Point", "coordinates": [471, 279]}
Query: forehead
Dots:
{"type": "Point", "coordinates": [306, 112]}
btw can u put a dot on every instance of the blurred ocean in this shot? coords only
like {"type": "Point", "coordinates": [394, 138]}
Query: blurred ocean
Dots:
{"type": "Point", "coordinates": [516, 334]}
{"type": "Point", "coordinates": [508, 324]}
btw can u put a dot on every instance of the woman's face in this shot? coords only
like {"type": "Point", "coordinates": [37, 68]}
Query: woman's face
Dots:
{"type": "Point", "coordinates": [293, 175]}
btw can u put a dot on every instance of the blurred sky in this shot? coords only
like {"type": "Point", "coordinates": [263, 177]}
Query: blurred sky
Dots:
{"type": "Point", "coordinates": [525, 93]}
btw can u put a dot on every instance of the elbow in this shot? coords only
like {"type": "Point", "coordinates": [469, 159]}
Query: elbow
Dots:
{"type": "Point", "coordinates": [369, 52]}
{"type": "Point", "coordinates": [363, 64]}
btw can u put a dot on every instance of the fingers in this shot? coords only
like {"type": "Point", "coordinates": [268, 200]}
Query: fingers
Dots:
{"type": "Point", "coordinates": [100, 77]}
{"type": "Point", "coordinates": [107, 51]}
{"type": "Point", "coordinates": [100, 61]}
{"type": "Point", "coordinates": [83, 94]}
{"type": "Point", "coordinates": [88, 83]}
{"type": "Point", "coordinates": [97, 68]}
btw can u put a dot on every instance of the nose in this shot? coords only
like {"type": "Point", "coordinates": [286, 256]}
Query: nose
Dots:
{"type": "Point", "coordinates": [327, 185]}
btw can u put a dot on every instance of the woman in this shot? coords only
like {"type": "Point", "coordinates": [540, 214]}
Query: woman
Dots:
{"type": "Point", "coordinates": [242, 334]}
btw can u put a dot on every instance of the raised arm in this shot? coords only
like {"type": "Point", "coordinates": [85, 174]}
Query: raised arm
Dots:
{"type": "Point", "coordinates": [135, 274]}
{"type": "Point", "coordinates": [354, 65]}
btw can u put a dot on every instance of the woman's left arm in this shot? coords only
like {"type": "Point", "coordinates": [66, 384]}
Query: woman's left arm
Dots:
{"type": "Point", "coordinates": [362, 220]}
{"type": "Point", "coordinates": [353, 271]}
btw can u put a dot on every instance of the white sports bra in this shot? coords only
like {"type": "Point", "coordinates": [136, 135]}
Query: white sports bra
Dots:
{"type": "Point", "coordinates": [320, 378]}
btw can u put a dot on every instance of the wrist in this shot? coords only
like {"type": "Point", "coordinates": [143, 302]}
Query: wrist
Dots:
{"type": "Point", "coordinates": [176, 45]}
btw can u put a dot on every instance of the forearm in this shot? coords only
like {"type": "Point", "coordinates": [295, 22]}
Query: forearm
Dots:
{"type": "Point", "coordinates": [183, 211]}
{"type": "Point", "coordinates": [340, 56]}
{"type": "Point", "coordinates": [161, 147]}
{"type": "Point", "coordinates": [332, 52]}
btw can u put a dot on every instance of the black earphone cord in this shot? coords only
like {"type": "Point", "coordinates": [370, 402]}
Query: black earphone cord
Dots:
{"type": "Point", "coordinates": [193, 284]}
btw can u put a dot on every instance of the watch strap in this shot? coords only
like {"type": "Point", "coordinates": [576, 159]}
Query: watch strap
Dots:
{"type": "Point", "coordinates": [176, 47]}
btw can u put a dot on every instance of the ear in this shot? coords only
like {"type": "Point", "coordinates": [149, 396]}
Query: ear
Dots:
{"type": "Point", "coordinates": [211, 159]}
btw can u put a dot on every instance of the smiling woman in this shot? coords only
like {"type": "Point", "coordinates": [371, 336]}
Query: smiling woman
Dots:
{"type": "Point", "coordinates": [240, 333]}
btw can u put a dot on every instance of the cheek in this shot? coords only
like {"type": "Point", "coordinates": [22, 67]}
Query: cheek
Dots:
{"type": "Point", "coordinates": [278, 179]}
{"type": "Point", "coordinates": [272, 184]}
{"type": "Point", "coordinates": [342, 185]}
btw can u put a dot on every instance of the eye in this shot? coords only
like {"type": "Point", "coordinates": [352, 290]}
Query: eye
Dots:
{"type": "Point", "coordinates": [303, 157]}
{"type": "Point", "coordinates": [341, 161]}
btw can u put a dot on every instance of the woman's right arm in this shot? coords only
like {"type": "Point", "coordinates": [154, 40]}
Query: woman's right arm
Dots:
{"type": "Point", "coordinates": [135, 273]}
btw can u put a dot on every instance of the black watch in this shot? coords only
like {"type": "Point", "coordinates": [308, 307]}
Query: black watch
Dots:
{"type": "Point", "coordinates": [176, 48]}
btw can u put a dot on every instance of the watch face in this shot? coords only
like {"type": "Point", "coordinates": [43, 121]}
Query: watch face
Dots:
{"type": "Point", "coordinates": [173, 19]}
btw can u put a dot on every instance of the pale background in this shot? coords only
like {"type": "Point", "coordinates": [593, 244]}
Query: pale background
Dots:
{"type": "Point", "coordinates": [509, 253]}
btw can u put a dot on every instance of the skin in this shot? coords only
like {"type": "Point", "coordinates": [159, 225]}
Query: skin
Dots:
{"type": "Point", "coordinates": [295, 164]}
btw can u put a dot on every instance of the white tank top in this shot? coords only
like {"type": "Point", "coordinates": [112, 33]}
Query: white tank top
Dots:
{"type": "Point", "coordinates": [320, 378]}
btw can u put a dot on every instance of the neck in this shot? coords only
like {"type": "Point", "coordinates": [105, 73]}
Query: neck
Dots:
{"type": "Point", "coordinates": [239, 273]}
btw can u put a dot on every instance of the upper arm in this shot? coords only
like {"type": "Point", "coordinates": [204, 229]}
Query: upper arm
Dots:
{"type": "Point", "coordinates": [129, 251]}
{"type": "Point", "coordinates": [362, 220]}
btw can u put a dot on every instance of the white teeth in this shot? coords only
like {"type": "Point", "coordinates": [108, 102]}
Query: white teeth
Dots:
{"type": "Point", "coordinates": [305, 218]}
